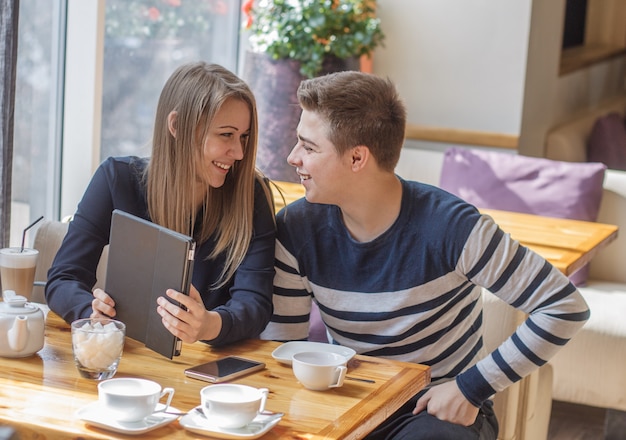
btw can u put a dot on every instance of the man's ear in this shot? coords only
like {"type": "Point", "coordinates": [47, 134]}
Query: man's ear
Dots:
{"type": "Point", "coordinates": [359, 157]}
{"type": "Point", "coordinates": [172, 119]}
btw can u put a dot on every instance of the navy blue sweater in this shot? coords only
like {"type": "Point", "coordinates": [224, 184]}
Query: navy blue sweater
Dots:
{"type": "Point", "coordinates": [244, 303]}
{"type": "Point", "coordinates": [414, 292]}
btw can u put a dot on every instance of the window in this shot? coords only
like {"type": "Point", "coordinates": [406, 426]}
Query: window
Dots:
{"type": "Point", "coordinates": [35, 181]}
{"type": "Point", "coordinates": [56, 145]}
{"type": "Point", "coordinates": [145, 40]}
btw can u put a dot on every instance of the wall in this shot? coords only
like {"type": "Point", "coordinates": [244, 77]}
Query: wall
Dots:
{"type": "Point", "coordinates": [458, 64]}
{"type": "Point", "coordinates": [486, 65]}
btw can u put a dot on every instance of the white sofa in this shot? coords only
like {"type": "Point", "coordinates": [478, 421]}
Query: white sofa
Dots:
{"type": "Point", "coordinates": [591, 369]}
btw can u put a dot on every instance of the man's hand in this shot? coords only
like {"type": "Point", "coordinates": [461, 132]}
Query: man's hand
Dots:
{"type": "Point", "coordinates": [446, 402]}
{"type": "Point", "coordinates": [195, 323]}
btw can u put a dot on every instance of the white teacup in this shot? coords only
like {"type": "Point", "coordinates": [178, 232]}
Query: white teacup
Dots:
{"type": "Point", "coordinates": [132, 399]}
{"type": "Point", "coordinates": [232, 405]}
{"type": "Point", "coordinates": [318, 370]}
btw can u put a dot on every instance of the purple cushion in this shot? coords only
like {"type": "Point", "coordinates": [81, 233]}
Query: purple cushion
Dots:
{"type": "Point", "coordinates": [607, 142]}
{"type": "Point", "coordinates": [530, 185]}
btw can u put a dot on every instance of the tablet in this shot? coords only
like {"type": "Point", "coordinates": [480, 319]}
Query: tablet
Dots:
{"type": "Point", "coordinates": [145, 260]}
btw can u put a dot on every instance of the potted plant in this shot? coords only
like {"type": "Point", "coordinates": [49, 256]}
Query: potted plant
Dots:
{"type": "Point", "coordinates": [309, 31]}
{"type": "Point", "coordinates": [291, 40]}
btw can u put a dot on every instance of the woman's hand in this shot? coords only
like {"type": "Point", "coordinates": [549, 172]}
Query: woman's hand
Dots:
{"type": "Point", "coordinates": [102, 304]}
{"type": "Point", "coordinates": [191, 325]}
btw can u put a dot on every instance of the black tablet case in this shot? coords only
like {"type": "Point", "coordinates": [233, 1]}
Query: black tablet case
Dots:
{"type": "Point", "coordinates": [145, 260]}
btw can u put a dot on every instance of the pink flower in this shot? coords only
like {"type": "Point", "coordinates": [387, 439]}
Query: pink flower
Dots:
{"type": "Point", "coordinates": [247, 8]}
{"type": "Point", "coordinates": [153, 13]}
{"type": "Point", "coordinates": [221, 7]}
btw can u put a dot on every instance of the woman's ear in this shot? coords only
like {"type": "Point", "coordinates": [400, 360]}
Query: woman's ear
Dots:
{"type": "Point", "coordinates": [171, 122]}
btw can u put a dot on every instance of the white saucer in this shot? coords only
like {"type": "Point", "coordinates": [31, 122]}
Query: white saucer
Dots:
{"type": "Point", "coordinates": [94, 414]}
{"type": "Point", "coordinates": [285, 352]}
{"type": "Point", "coordinates": [195, 422]}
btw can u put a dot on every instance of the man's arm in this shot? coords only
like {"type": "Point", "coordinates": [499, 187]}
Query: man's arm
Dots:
{"type": "Point", "coordinates": [556, 309]}
{"type": "Point", "coordinates": [292, 300]}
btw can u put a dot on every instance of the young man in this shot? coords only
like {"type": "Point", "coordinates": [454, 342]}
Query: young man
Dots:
{"type": "Point", "coordinates": [397, 267]}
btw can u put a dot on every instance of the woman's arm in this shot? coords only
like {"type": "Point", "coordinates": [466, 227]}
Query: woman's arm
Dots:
{"type": "Point", "coordinates": [249, 308]}
{"type": "Point", "coordinates": [73, 271]}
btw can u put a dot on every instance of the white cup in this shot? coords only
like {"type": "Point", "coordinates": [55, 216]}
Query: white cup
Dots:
{"type": "Point", "coordinates": [232, 405]}
{"type": "Point", "coordinates": [319, 370]}
{"type": "Point", "coordinates": [17, 270]}
{"type": "Point", "coordinates": [132, 399]}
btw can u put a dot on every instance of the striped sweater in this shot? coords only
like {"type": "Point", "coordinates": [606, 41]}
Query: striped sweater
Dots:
{"type": "Point", "coordinates": [414, 293]}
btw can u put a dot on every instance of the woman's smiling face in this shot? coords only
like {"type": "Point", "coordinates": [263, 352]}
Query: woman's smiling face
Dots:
{"type": "Point", "coordinates": [225, 142]}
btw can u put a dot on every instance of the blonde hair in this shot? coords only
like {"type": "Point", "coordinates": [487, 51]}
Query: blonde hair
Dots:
{"type": "Point", "coordinates": [196, 92]}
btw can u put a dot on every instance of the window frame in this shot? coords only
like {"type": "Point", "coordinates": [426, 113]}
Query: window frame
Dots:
{"type": "Point", "coordinates": [82, 99]}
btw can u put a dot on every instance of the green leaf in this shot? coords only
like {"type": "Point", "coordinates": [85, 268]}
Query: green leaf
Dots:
{"type": "Point", "coordinates": [310, 30]}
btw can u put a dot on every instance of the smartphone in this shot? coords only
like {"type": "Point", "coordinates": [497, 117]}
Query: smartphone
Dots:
{"type": "Point", "coordinates": [224, 369]}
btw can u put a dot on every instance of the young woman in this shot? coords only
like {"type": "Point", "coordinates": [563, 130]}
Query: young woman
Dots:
{"type": "Point", "coordinates": [201, 181]}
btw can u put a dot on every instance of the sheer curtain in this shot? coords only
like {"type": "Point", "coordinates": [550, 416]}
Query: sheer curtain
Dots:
{"type": "Point", "coordinates": [8, 58]}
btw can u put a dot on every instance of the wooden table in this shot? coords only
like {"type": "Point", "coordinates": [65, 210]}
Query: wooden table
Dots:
{"type": "Point", "coordinates": [39, 395]}
{"type": "Point", "coordinates": [567, 244]}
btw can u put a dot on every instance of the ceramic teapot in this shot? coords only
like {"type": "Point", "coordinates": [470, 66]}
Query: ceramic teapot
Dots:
{"type": "Point", "coordinates": [21, 326]}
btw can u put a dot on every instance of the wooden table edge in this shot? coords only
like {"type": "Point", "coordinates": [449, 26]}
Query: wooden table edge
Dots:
{"type": "Point", "coordinates": [406, 384]}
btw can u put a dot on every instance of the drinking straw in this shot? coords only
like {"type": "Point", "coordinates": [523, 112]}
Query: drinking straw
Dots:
{"type": "Point", "coordinates": [27, 228]}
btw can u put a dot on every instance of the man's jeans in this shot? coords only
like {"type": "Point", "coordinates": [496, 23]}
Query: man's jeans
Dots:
{"type": "Point", "coordinates": [403, 425]}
